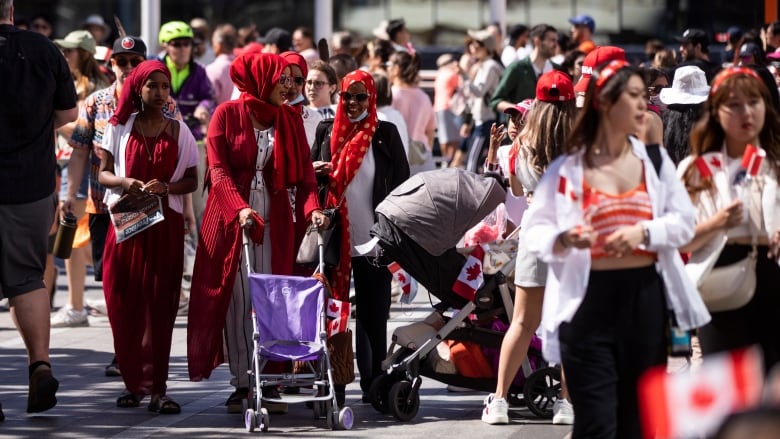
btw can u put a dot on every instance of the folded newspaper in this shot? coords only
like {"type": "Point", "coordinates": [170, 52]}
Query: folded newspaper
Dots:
{"type": "Point", "coordinates": [132, 214]}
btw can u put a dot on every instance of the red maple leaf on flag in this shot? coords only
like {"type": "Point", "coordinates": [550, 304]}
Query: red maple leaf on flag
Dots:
{"type": "Point", "coordinates": [715, 162]}
{"type": "Point", "coordinates": [702, 398]}
{"type": "Point", "coordinates": [473, 271]}
{"type": "Point", "coordinates": [402, 278]}
{"type": "Point", "coordinates": [333, 307]}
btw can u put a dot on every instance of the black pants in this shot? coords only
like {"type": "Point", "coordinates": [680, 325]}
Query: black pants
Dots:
{"type": "Point", "coordinates": [754, 323]}
{"type": "Point", "coordinates": [372, 296]}
{"type": "Point", "coordinates": [98, 228]}
{"type": "Point", "coordinates": [618, 332]}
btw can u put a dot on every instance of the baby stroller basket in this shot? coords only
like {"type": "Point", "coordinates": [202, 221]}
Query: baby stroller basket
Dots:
{"type": "Point", "coordinates": [288, 317]}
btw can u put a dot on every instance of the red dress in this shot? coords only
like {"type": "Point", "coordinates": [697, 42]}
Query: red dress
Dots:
{"type": "Point", "coordinates": [142, 276]}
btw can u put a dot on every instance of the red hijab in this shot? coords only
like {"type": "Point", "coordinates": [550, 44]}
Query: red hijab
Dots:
{"type": "Point", "coordinates": [130, 99]}
{"type": "Point", "coordinates": [349, 143]}
{"type": "Point", "coordinates": [256, 75]}
{"type": "Point", "coordinates": [294, 58]}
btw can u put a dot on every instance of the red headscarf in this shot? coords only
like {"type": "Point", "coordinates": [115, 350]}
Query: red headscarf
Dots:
{"type": "Point", "coordinates": [349, 143]}
{"type": "Point", "coordinates": [130, 100]}
{"type": "Point", "coordinates": [295, 58]}
{"type": "Point", "coordinates": [256, 75]}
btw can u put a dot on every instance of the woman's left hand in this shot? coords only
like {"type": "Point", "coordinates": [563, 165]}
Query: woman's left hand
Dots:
{"type": "Point", "coordinates": [155, 187]}
{"type": "Point", "coordinates": [320, 220]}
{"type": "Point", "coordinates": [497, 134]}
{"type": "Point", "coordinates": [774, 246]}
{"type": "Point", "coordinates": [624, 240]}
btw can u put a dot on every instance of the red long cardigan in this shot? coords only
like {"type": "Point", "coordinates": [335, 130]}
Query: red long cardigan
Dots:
{"type": "Point", "coordinates": [231, 168]}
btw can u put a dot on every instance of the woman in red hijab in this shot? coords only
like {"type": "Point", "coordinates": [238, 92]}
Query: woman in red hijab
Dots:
{"type": "Point", "coordinates": [145, 152]}
{"type": "Point", "coordinates": [259, 168]}
{"type": "Point", "coordinates": [300, 70]}
{"type": "Point", "coordinates": [352, 153]}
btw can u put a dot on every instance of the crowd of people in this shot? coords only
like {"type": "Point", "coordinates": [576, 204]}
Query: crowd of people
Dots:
{"type": "Point", "coordinates": [628, 172]}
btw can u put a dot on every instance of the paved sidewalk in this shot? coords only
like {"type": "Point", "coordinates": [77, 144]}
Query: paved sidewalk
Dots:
{"type": "Point", "coordinates": [87, 409]}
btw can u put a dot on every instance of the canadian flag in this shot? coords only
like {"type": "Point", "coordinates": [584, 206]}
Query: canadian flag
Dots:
{"type": "Point", "coordinates": [694, 403]}
{"type": "Point", "coordinates": [565, 188]}
{"type": "Point", "coordinates": [470, 278]}
{"type": "Point", "coordinates": [408, 290]}
{"type": "Point", "coordinates": [338, 316]}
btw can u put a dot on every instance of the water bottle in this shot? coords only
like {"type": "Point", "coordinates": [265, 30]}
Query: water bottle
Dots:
{"type": "Point", "coordinates": [63, 242]}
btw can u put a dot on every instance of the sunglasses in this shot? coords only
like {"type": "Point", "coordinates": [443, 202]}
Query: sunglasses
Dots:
{"type": "Point", "coordinates": [286, 80]}
{"type": "Point", "coordinates": [299, 80]}
{"type": "Point", "coordinates": [654, 90]}
{"type": "Point", "coordinates": [315, 84]}
{"type": "Point", "coordinates": [360, 97]}
{"type": "Point", "coordinates": [180, 44]}
{"type": "Point", "coordinates": [123, 62]}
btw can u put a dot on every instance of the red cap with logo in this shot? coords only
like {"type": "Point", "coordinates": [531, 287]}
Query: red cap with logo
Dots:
{"type": "Point", "coordinates": [598, 56]}
{"type": "Point", "coordinates": [554, 86]}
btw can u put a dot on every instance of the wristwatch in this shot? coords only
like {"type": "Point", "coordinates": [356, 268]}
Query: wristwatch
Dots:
{"type": "Point", "coordinates": [645, 235]}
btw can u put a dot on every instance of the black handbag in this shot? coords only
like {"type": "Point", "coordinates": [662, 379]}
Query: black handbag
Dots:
{"type": "Point", "coordinates": [308, 252]}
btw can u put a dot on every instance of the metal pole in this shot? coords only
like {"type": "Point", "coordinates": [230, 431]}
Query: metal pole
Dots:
{"type": "Point", "coordinates": [498, 15]}
{"type": "Point", "coordinates": [323, 19]}
{"type": "Point", "coordinates": [150, 24]}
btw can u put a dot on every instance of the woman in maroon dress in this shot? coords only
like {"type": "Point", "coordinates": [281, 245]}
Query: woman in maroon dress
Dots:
{"type": "Point", "coordinates": [146, 153]}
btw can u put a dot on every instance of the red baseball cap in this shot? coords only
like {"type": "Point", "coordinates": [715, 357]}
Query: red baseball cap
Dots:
{"type": "Point", "coordinates": [595, 58]}
{"type": "Point", "coordinates": [520, 107]}
{"type": "Point", "coordinates": [554, 86]}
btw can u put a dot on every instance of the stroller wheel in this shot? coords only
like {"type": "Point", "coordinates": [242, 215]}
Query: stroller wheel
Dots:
{"type": "Point", "coordinates": [262, 419]}
{"type": "Point", "coordinates": [346, 419]}
{"type": "Point", "coordinates": [250, 420]}
{"type": "Point", "coordinates": [541, 391]}
{"type": "Point", "coordinates": [404, 401]}
{"type": "Point", "coordinates": [379, 391]}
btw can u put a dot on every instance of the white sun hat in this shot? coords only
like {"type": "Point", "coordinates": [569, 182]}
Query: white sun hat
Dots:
{"type": "Point", "coordinates": [688, 87]}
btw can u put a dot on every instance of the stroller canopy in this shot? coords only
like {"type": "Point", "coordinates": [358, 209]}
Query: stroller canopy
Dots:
{"type": "Point", "coordinates": [436, 208]}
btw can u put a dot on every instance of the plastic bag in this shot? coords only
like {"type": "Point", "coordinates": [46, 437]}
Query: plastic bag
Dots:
{"type": "Point", "coordinates": [488, 230]}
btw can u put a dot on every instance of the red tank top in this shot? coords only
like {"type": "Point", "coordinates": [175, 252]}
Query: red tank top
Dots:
{"type": "Point", "coordinates": [609, 212]}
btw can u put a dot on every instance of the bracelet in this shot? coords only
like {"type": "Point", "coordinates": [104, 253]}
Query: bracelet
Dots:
{"type": "Point", "coordinates": [645, 235]}
{"type": "Point", "coordinates": [492, 167]}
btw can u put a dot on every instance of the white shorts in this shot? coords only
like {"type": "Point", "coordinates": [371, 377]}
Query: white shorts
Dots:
{"type": "Point", "coordinates": [530, 271]}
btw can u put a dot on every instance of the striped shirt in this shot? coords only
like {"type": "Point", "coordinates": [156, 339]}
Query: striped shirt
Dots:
{"type": "Point", "coordinates": [610, 212]}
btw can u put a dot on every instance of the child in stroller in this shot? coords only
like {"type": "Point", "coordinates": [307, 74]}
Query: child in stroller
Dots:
{"type": "Point", "coordinates": [419, 225]}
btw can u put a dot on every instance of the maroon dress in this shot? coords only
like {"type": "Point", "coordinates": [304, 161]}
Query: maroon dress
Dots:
{"type": "Point", "coordinates": [142, 275]}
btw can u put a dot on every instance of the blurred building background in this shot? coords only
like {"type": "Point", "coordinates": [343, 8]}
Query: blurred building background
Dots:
{"type": "Point", "coordinates": [432, 22]}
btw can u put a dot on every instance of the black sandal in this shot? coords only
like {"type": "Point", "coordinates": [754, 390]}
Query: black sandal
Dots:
{"type": "Point", "coordinates": [164, 405]}
{"type": "Point", "coordinates": [129, 400]}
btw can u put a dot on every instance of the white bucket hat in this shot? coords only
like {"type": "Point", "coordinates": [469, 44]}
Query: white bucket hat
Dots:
{"type": "Point", "coordinates": [688, 87]}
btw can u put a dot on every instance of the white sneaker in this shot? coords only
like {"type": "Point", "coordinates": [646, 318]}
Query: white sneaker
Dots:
{"type": "Point", "coordinates": [495, 411]}
{"type": "Point", "coordinates": [69, 318]}
{"type": "Point", "coordinates": [563, 412]}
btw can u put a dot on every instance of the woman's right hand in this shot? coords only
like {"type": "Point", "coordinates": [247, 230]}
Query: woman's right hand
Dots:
{"type": "Point", "coordinates": [243, 215]}
{"type": "Point", "coordinates": [132, 186]}
{"type": "Point", "coordinates": [577, 237]}
{"type": "Point", "coordinates": [728, 217]}
{"type": "Point", "coordinates": [322, 168]}
{"type": "Point", "coordinates": [497, 134]}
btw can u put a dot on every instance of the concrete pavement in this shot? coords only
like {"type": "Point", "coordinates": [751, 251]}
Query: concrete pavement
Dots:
{"type": "Point", "coordinates": [87, 409]}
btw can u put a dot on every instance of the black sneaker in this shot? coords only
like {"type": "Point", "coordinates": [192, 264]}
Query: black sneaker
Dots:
{"type": "Point", "coordinates": [112, 370]}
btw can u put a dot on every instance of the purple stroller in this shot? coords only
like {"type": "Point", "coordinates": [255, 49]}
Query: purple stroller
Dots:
{"type": "Point", "coordinates": [289, 324]}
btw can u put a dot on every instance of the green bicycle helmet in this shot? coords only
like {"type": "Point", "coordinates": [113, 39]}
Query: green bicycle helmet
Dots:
{"type": "Point", "coordinates": [173, 30]}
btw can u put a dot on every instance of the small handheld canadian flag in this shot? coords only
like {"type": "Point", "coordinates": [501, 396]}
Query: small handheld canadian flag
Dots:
{"type": "Point", "coordinates": [408, 289]}
{"type": "Point", "coordinates": [338, 316]}
{"type": "Point", "coordinates": [470, 278]}
{"type": "Point", "coordinates": [694, 404]}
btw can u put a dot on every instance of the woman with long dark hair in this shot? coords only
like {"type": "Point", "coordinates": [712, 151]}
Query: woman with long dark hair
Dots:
{"type": "Point", "coordinates": [612, 279]}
